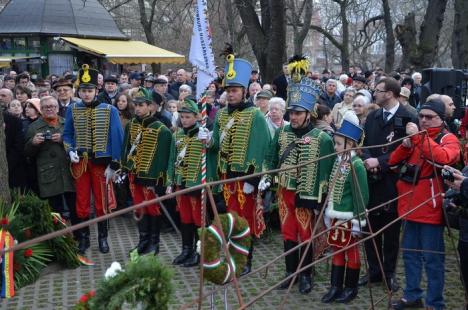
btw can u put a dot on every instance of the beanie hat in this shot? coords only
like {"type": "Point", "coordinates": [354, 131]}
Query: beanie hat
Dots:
{"type": "Point", "coordinates": [436, 106]}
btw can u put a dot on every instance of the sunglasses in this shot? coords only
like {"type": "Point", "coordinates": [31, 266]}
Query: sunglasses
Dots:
{"type": "Point", "coordinates": [427, 116]}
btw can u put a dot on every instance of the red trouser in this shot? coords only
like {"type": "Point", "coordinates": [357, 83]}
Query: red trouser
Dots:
{"type": "Point", "coordinates": [352, 255]}
{"type": "Point", "coordinates": [296, 223]}
{"type": "Point", "coordinates": [243, 204]}
{"type": "Point", "coordinates": [189, 209]}
{"type": "Point", "coordinates": [140, 194]}
{"type": "Point", "coordinates": [89, 176]}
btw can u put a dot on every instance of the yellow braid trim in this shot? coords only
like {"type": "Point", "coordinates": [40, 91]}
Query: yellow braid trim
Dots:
{"type": "Point", "coordinates": [83, 166]}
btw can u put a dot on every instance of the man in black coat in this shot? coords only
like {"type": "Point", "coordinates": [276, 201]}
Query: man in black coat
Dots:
{"type": "Point", "coordinates": [14, 144]}
{"type": "Point", "coordinates": [280, 83]}
{"type": "Point", "coordinates": [383, 126]}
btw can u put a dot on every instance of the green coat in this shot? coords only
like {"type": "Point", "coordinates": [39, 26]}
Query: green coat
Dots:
{"type": "Point", "coordinates": [149, 161]}
{"type": "Point", "coordinates": [185, 159]}
{"type": "Point", "coordinates": [53, 165]}
{"type": "Point", "coordinates": [310, 182]}
{"type": "Point", "coordinates": [350, 194]}
{"type": "Point", "coordinates": [241, 139]}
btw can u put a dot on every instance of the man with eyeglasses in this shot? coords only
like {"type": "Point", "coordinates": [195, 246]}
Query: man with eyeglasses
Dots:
{"type": "Point", "coordinates": [383, 126]}
{"type": "Point", "coordinates": [64, 93]}
{"type": "Point", "coordinates": [418, 160]}
{"type": "Point", "coordinates": [44, 144]}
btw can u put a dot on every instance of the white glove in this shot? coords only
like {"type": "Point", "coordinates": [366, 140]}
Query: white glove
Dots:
{"type": "Point", "coordinates": [109, 174]}
{"type": "Point", "coordinates": [264, 184]}
{"type": "Point", "coordinates": [204, 135]}
{"type": "Point", "coordinates": [169, 190]}
{"type": "Point", "coordinates": [327, 221]}
{"type": "Point", "coordinates": [119, 177]}
{"type": "Point", "coordinates": [356, 230]}
{"type": "Point", "coordinates": [248, 188]}
{"type": "Point", "coordinates": [74, 158]}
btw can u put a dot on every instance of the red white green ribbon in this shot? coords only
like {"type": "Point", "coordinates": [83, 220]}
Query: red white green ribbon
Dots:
{"type": "Point", "coordinates": [8, 279]}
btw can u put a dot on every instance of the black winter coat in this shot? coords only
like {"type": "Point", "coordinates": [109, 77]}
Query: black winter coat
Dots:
{"type": "Point", "coordinates": [382, 185]}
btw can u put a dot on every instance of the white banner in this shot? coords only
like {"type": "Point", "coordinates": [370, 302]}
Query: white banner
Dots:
{"type": "Point", "coordinates": [201, 52]}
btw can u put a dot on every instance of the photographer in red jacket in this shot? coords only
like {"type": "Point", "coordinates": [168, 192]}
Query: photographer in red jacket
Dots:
{"type": "Point", "coordinates": [419, 160]}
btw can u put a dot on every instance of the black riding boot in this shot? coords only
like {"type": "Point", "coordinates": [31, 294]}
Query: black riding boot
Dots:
{"type": "Point", "coordinates": [305, 278]}
{"type": "Point", "coordinates": [83, 240]}
{"type": "Point", "coordinates": [351, 283]}
{"type": "Point", "coordinates": [144, 235]}
{"type": "Point", "coordinates": [102, 237]}
{"type": "Point", "coordinates": [155, 228]}
{"type": "Point", "coordinates": [292, 260]}
{"type": "Point", "coordinates": [187, 237]}
{"type": "Point", "coordinates": [336, 281]}
{"type": "Point", "coordinates": [248, 265]}
{"type": "Point", "coordinates": [194, 258]}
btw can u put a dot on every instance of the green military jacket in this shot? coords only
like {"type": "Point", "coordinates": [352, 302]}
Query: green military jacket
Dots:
{"type": "Point", "coordinates": [146, 149]}
{"type": "Point", "coordinates": [53, 165]}
{"type": "Point", "coordinates": [241, 139]}
{"type": "Point", "coordinates": [185, 159]}
{"type": "Point", "coordinates": [309, 182]}
{"type": "Point", "coordinates": [350, 194]}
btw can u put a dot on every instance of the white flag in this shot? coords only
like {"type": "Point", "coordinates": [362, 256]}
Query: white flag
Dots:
{"type": "Point", "coordinates": [201, 53]}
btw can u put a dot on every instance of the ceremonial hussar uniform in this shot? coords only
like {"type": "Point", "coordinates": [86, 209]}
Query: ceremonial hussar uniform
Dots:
{"type": "Point", "coordinates": [349, 195]}
{"type": "Point", "coordinates": [300, 190]}
{"type": "Point", "coordinates": [185, 171]}
{"type": "Point", "coordinates": [93, 138]}
{"type": "Point", "coordinates": [241, 137]}
{"type": "Point", "coordinates": [145, 157]}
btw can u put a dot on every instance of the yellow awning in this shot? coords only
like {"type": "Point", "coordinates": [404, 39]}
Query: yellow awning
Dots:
{"type": "Point", "coordinates": [126, 52]}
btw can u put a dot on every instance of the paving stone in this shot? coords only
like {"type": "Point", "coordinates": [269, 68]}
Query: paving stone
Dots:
{"type": "Point", "coordinates": [60, 288]}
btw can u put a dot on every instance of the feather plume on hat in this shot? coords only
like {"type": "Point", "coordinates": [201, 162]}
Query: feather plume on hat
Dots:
{"type": "Point", "coordinates": [298, 66]}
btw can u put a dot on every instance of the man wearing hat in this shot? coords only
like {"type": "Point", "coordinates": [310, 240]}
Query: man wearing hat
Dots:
{"type": "Point", "coordinates": [345, 209]}
{"type": "Point", "coordinates": [241, 138]}
{"type": "Point", "coordinates": [300, 191]}
{"type": "Point", "coordinates": [185, 170]}
{"type": "Point", "coordinates": [110, 92]}
{"type": "Point", "coordinates": [403, 99]}
{"type": "Point", "coordinates": [145, 156]}
{"type": "Point", "coordinates": [92, 137]}
{"type": "Point", "coordinates": [160, 87]}
{"type": "Point", "coordinates": [261, 100]}
{"type": "Point", "coordinates": [359, 82]}
{"type": "Point", "coordinates": [63, 88]}
{"type": "Point", "coordinates": [417, 160]}
{"type": "Point", "coordinates": [135, 79]}
{"type": "Point", "coordinates": [149, 82]}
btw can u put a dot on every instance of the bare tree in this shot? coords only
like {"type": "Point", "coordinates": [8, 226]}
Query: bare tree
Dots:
{"type": "Point", "coordinates": [421, 54]}
{"type": "Point", "coordinates": [389, 37]}
{"type": "Point", "coordinates": [268, 36]}
{"type": "Point", "coordinates": [299, 17]}
{"type": "Point", "coordinates": [460, 35]}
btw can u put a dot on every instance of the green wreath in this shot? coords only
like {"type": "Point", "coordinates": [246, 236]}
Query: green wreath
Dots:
{"type": "Point", "coordinates": [237, 233]}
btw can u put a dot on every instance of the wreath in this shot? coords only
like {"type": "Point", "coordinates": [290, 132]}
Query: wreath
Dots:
{"type": "Point", "coordinates": [237, 233]}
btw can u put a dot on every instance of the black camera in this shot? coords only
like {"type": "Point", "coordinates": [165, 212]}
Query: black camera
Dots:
{"type": "Point", "coordinates": [410, 173]}
{"type": "Point", "coordinates": [47, 135]}
{"type": "Point", "coordinates": [448, 175]}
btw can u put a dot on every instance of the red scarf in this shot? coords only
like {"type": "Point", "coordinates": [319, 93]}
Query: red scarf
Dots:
{"type": "Point", "coordinates": [51, 121]}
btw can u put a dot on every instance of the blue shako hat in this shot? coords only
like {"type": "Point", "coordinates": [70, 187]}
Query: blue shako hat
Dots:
{"type": "Point", "coordinates": [350, 128]}
{"type": "Point", "coordinates": [303, 93]}
{"type": "Point", "coordinates": [237, 72]}
{"type": "Point", "coordinates": [302, 96]}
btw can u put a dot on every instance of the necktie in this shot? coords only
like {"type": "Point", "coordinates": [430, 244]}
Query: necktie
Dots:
{"type": "Point", "coordinates": [386, 114]}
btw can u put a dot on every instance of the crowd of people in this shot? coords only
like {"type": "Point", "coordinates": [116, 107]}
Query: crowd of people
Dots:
{"type": "Point", "coordinates": [86, 140]}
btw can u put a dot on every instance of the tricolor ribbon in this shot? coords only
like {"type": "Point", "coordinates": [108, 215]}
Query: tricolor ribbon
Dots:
{"type": "Point", "coordinates": [8, 279]}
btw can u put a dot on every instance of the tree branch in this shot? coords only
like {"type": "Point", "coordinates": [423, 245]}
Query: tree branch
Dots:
{"type": "Point", "coordinates": [328, 35]}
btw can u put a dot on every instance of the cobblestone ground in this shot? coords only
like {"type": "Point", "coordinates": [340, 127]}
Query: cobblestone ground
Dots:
{"type": "Point", "coordinates": [60, 288]}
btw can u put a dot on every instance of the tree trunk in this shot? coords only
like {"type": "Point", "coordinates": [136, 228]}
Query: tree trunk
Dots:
{"type": "Point", "coordinates": [345, 43]}
{"type": "Point", "coordinates": [300, 35]}
{"type": "Point", "coordinates": [147, 24]}
{"type": "Point", "coordinates": [4, 189]}
{"type": "Point", "coordinates": [268, 40]}
{"type": "Point", "coordinates": [460, 35]}
{"type": "Point", "coordinates": [389, 38]}
{"type": "Point", "coordinates": [423, 54]}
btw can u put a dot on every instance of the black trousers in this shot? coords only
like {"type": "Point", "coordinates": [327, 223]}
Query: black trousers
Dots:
{"type": "Point", "coordinates": [463, 252]}
{"type": "Point", "coordinates": [65, 205]}
{"type": "Point", "coordinates": [388, 243]}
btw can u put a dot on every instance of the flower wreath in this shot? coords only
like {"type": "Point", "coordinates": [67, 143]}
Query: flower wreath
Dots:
{"type": "Point", "coordinates": [237, 233]}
